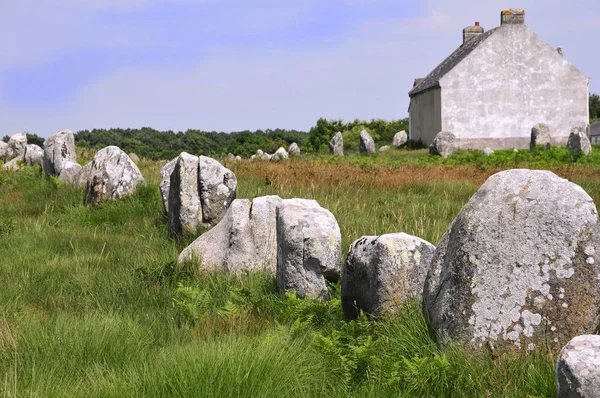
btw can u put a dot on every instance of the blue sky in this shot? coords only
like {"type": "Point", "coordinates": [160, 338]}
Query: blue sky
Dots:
{"type": "Point", "coordinates": [229, 65]}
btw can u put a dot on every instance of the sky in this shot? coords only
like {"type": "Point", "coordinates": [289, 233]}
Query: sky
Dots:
{"type": "Point", "coordinates": [231, 65]}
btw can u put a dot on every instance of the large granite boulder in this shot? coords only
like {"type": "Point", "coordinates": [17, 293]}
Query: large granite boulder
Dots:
{"type": "Point", "coordinates": [336, 145]}
{"type": "Point", "coordinates": [366, 144]}
{"type": "Point", "coordinates": [4, 151]}
{"type": "Point", "coordinates": [578, 141]}
{"type": "Point", "coordinates": [33, 155]}
{"type": "Point", "coordinates": [113, 175]}
{"type": "Point", "coordinates": [518, 267]}
{"type": "Point", "coordinates": [381, 272]}
{"type": "Point", "coordinates": [165, 182]}
{"type": "Point", "coordinates": [540, 135]}
{"type": "Point", "coordinates": [185, 209]}
{"type": "Point", "coordinates": [218, 188]}
{"type": "Point", "coordinates": [16, 145]}
{"type": "Point", "coordinates": [400, 138]}
{"type": "Point", "coordinates": [444, 144]}
{"type": "Point", "coordinates": [578, 368]}
{"type": "Point", "coordinates": [294, 149]}
{"type": "Point", "coordinates": [281, 154]}
{"type": "Point", "coordinates": [309, 248]}
{"type": "Point", "coordinates": [70, 173]}
{"type": "Point", "coordinates": [59, 149]}
{"type": "Point", "coordinates": [245, 239]}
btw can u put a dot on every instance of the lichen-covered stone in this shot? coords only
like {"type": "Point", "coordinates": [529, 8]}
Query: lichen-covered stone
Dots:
{"type": "Point", "coordinates": [4, 151]}
{"type": "Point", "coordinates": [578, 141]}
{"type": "Point", "coordinates": [400, 138]}
{"type": "Point", "coordinates": [165, 182]}
{"type": "Point", "coordinates": [83, 177]}
{"type": "Point", "coordinates": [366, 144]}
{"type": "Point", "coordinates": [14, 164]}
{"type": "Point", "coordinates": [487, 151]}
{"type": "Point", "coordinates": [294, 149]}
{"type": "Point", "coordinates": [282, 154]}
{"type": "Point", "coordinates": [336, 145]}
{"type": "Point", "coordinates": [540, 135]}
{"type": "Point", "coordinates": [16, 145]}
{"type": "Point", "coordinates": [70, 173]}
{"type": "Point", "coordinates": [444, 144]}
{"type": "Point", "coordinates": [185, 210]}
{"type": "Point", "coordinates": [218, 188]}
{"type": "Point", "coordinates": [59, 149]}
{"type": "Point", "coordinates": [113, 175]}
{"type": "Point", "coordinates": [33, 155]}
{"type": "Point", "coordinates": [245, 239]}
{"type": "Point", "coordinates": [382, 272]}
{"type": "Point", "coordinates": [309, 248]}
{"type": "Point", "coordinates": [518, 267]}
{"type": "Point", "coordinates": [578, 368]}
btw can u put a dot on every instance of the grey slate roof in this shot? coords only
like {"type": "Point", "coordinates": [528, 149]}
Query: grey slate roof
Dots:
{"type": "Point", "coordinates": [595, 129]}
{"type": "Point", "coordinates": [433, 79]}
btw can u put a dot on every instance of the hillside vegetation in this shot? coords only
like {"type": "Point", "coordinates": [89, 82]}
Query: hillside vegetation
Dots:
{"type": "Point", "coordinates": [93, 303]}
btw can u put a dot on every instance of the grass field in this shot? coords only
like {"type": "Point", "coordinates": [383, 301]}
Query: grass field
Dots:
{"type": "Point", "coordinates": [93, 304]}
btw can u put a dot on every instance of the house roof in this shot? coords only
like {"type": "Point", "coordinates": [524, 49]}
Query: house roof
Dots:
{"type": "Point", "coordinates": [595, 129]}
{"type": "Point", "coordinates": [433, 79]}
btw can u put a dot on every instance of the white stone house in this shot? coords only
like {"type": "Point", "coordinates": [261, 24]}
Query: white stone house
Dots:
{"type": "Point", "coordinates": [496, 86]}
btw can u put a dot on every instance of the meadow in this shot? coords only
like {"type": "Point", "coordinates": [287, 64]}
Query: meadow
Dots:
{"type": "Point", "coordinates": [93, 304]}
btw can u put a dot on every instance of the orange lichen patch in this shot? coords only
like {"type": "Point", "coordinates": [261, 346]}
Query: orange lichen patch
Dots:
{"type": "Point", "coordinates": [513, 11]}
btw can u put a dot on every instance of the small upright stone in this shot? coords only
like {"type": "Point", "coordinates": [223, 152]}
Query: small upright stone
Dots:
{"type": "Point", "coordinates": [578, 368]}
{"type": "Point", "coordinates": [367, 145]}
{"type": "Point", "coordinates": [540, 135]}
{"type": "Point", "coordinates": [294, 149]}
{"type": "Point", "coordinates": [16, 145]}
{"type": "Point", "coordinates": [336, 145]}
{"type": "Point", "coordinates": [59, 149]}
{"type": "Point", "coordinates": [185, 209]}
{"type": "Point", "coordinates": [309, 248]}
{"type": "Point", "coordinates": [218, 188]}
{"type": "Point", "coordinates": [165, 182]}
{"type": "Point", "coordinates": [487, 151]}
{"type": "Point", "coordinates": [33, 155]}
{"type": "Point", "coordinates": [444, 144]}
{"type": "Point", "coordinates": [578, 141]}
{"type": "Point", "coordinates": [400, 138]}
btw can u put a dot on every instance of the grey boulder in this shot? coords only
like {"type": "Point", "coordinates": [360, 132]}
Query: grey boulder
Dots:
{"type": "Point", "coordinates": [70, 173]}
{"type": "Point", "coordinates": [230, 157]}
{"type": "Point", "coordinates": [366, 145]}
{"type": "Point", "coordinates": [578, 368]}
{"type": "Point", "coordinates": [382, 272]}
{"type": "Point", "coordinates": [14, 164]}
{"type": "Point", "coordinates": [308, 248]}
{"type": "Point", "coordinates": [218, 188]}
{"type": "Point", "coordinates": [578, 141]}
{"type": "Point", "coordinates": [113, 175]}
{"type": "Point", "coordinates": [282, 154]}
{"type": "Point", "coordinates": [4, 151]}
{"type": "Point", "coordinates": [294, 149]}
{"type": "Point", "coordinates": [16, 145]}
{"type": "Point", "coordinates": [540, 135]}
{"type": "Point", "coordinates": [165, 182]}
{"type": "Point", "coordinates": [33, 155]}
{"type": "Point", "coordinates": [336, 145]}
{"type": "Point", "coordinates": [487, 151]}
{"type": "Point", "coordinates": [83, 177]}
{"type": "Point", "coordinates": [59, 149]}
{"type": "Point", "coordinates": [400, 138]}
{"type": "Point", "coordinates": [184, 206]}
{"type": "Point", "coordinates": [384, 148]}
{"type": "Point", "coordinates": [444, 144]}
{"type": "Point", "coordinates": [518, 267]}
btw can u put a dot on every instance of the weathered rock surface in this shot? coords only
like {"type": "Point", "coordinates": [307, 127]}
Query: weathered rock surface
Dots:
{"type": "Point", "coordinates": [238, 158]}
{"type": "Point", "coordinates": [33, 155]}
{"type": "Point", "coordinates": [58, 150]}
{"type": "Point", "coordinates": [400, 138]}
{"type": "Point", "coordinates": [245, 239]}
{"type": "Point", "coordinates": [366, 144]}
{"type": "Point", "coordinates": [13, 164]}
{"type": "Point", "coordinates": [16, 145]}
{"type": "Point", "coordinates": [113, 175]}
{"type": "Point", "coordinates": [294, 149]}
{"type": "Point", "coordinates": [282, 154]}
{"type": "Point", "coordinates": [165, 182]}
{"type": "Point", "coordinates": [83, 177]}
{"type": "Point", "coordinates": [185, 209]}
{"type": "Point", "coordinates": [578, 141]}
{"type": "Point", "coordinates": [518, 267]}
{"type": "Point", "coordinates": [336, 145]}
{"type": "Point", "coordinates": [540, 135]}
{"type": "Point", "coordinates": [309, 248]}
{"type": "Point", "coordinates": [265, 156]}
{"type": "Point", "coordinates": [4, 151]}
{"type": "Point", "coordinates": [134, 157]}
{"type": "Point", "coordinates": [70, 173]}
{"type": "Point", "coordinates": [259, 153]}
{"type": "Point", "coordinates": [384, 148]}
{"type": "Point", "coordinates": [444, 144]}
{"type": "Point", "coordinates": [487, 151]}
{"type": "Point", "coordinates": [218, 188]}
{"type": "Point", "coordinates": [252, 157]}
{"type": "Point", "coordinates": [381, 272]}
{"type": "Point", "coordinates": [578, 368]}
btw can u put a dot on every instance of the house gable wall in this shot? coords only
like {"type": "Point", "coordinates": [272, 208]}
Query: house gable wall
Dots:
{"type": "Point", "coordinates": [425, 116]}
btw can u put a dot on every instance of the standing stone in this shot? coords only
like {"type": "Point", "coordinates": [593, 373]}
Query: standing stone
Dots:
{"type": "Point", "coordinates": [230, 157]}
{"type": "Point", "coordinates": [578, 368]}
{"type": "Point", "coordinates": [336, 145]}
{"type": "Point", "coordinates": [282, 153]}
{"type": "Point", "coordinates": [519, 266]}
{"type": "Point", "coordinates": [367, 145]}
{"type": "Point", "coordinates": [185, 209]}
{"type": "Point", "coordinates": [487, 151]}
{"type": "Point", "coordinates": [113, 175]}
{"type": "Point", "coordinates": [275, 157]}
{"type": "Point", "coordinates": [70, 173]}
{"type": "Point", "coordinates": [165, 182]}
{"type": "Point", "coordinates": [33, 155]}
{"type": "Point", "coordinates": [294, 149]}
{"type": "Point", "coordinates": [578, 141]}
{"type": "Point", "coordinates": [218, 188]}
{"type": "Point", "coordinates": [384, 148]}
{"type": "Point", "coordinates": [84, 176]}
{"type": "Point", "coordinates": [309, 248]}
{"type": "Point", "coordinates": [16, 145]}
{"type": "Point", "coordinates": [259, 153]}
{"type": "Point", "coordinates": [245, 239]}
{"type": "Point", "coordinates": [4, 151]}
{"type": "Point", "coordinates": [400, 138]}
{"type": "Point", "coordinates": [265, 156]}
{"type": "Point", "coordinates": [252, 157]}
{"type": "Point", "coordinates": [238, 158]}
{"type": "Point", "coordinates": [59, 149]}
{"type": "Point", "coordinates": [381, 272]}
{"type": "Point", "coordinates": [444, 144]}
{"type": "Point", "coordinates": [540, 135]}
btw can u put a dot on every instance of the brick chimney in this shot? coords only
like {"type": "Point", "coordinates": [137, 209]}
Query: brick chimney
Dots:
{"type": "Point", "coordinates": [512, 16]}
{"type": "Point", "coordinates": [471, 31]}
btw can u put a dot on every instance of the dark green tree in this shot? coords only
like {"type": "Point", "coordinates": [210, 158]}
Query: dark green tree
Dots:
{"type": "Point", "coordinates": [594, 107]}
